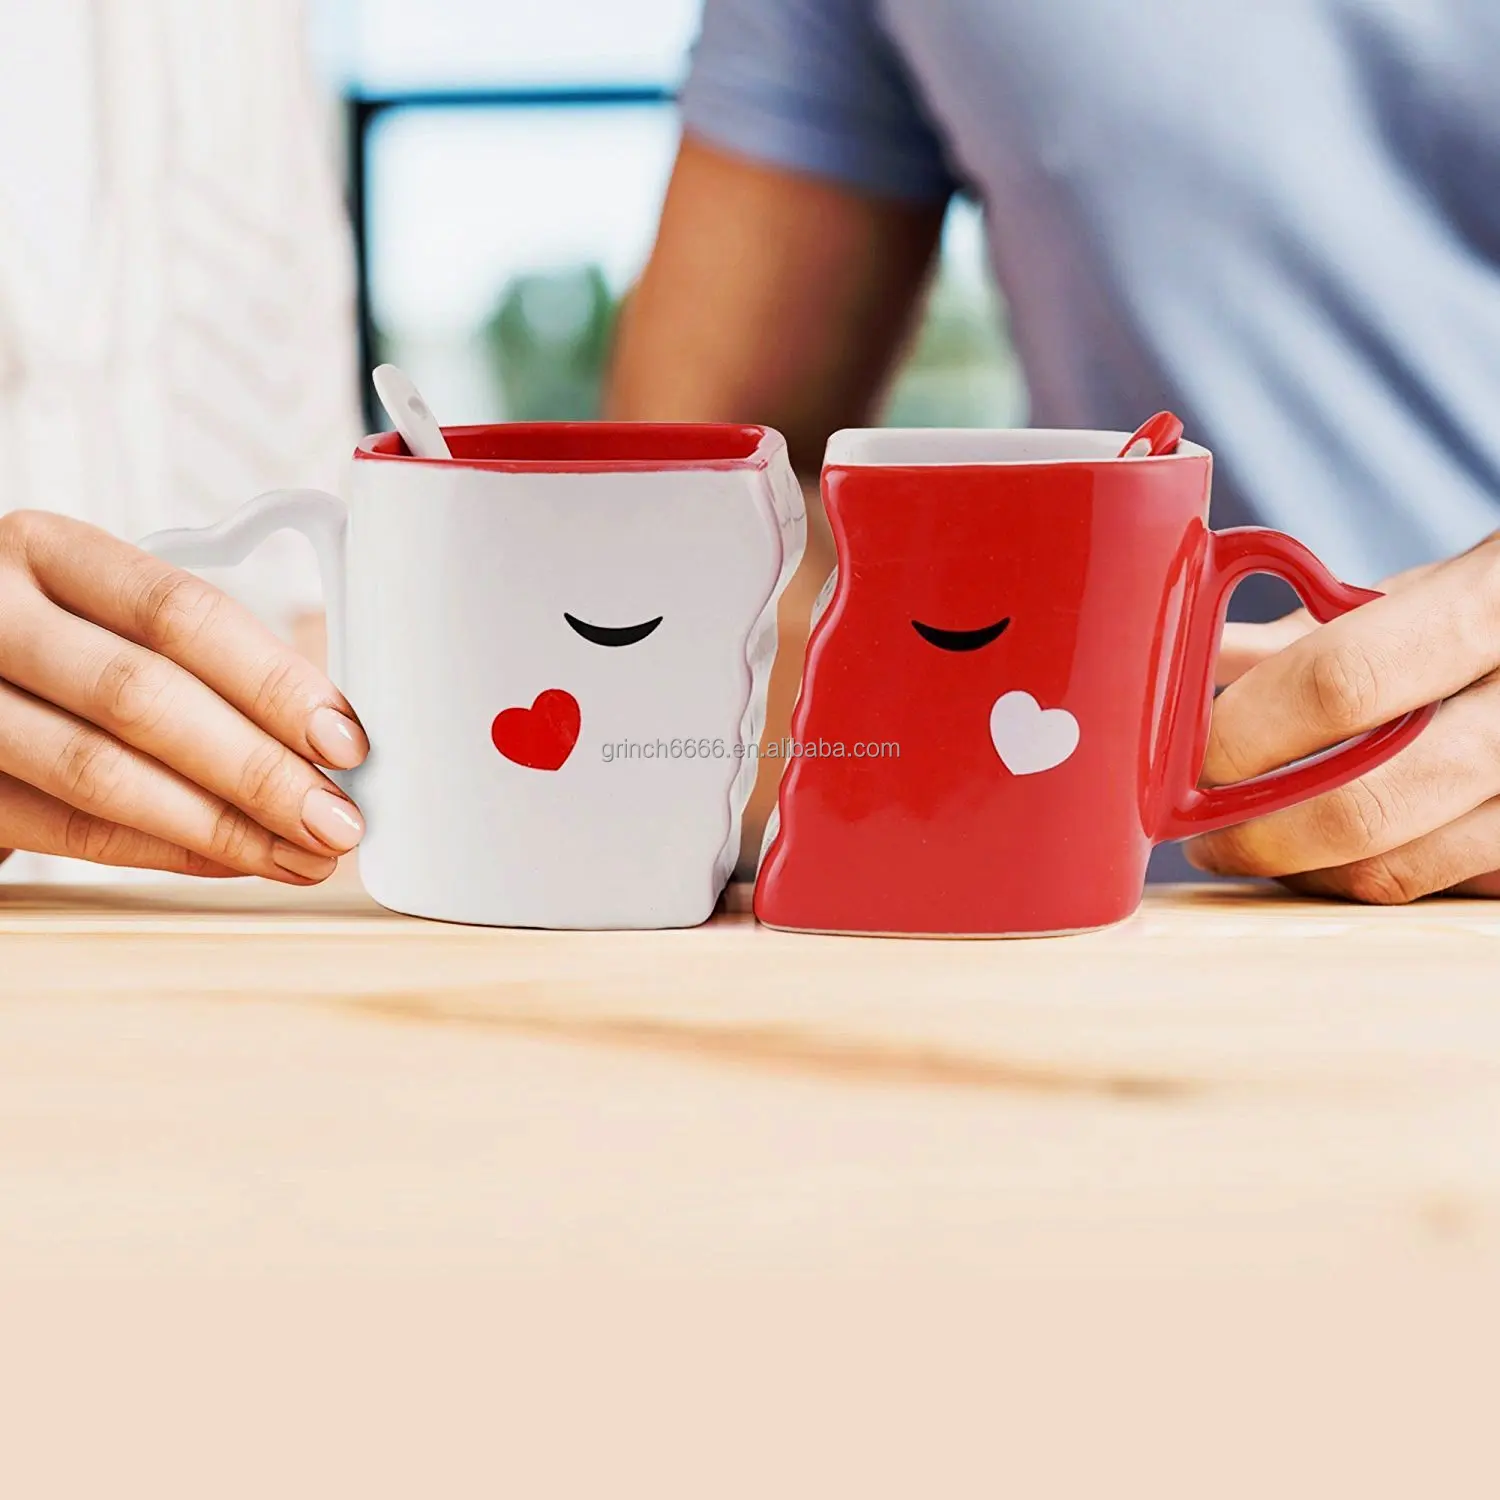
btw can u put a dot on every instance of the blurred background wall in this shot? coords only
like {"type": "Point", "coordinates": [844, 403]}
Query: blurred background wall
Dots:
{"type": "Point", "coordinates": [507, 161]}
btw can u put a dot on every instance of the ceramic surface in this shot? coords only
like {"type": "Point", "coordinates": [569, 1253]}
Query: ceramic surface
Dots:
{"type": "Point", "coordinates": [560, 643]}
{"type": "Point", "coordinates": [1007, 697]}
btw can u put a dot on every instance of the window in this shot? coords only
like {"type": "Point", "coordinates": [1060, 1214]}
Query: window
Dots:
{"type": "Point", "coordinates": [509, 162]}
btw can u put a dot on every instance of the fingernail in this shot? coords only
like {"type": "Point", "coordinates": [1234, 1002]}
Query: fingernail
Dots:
{"type": "Point", "coordinates": [332, 820]}
{"type": "Point", "coordinates": [338, 740]}
{"type": "Point", "coordinates": [302, 862]}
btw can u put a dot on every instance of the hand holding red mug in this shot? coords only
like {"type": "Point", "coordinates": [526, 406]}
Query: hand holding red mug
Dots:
{"type": "Point", "coordinates": [1429, 819]}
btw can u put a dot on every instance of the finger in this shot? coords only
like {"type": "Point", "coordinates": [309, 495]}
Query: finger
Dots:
{"type": "Point", "coordinates": [177, 615]}
{"type": "Point", "coordinates": [1395, 654]}
{"type": "Point", "coordinates": [150, 703]}
{"type": "Point", "coordinates": [1408, 576]}
{"type": "Point", "coordinates": [1467, 850]}
{"type": "Point", "coordinates": [1447, 772]}
{"type": "Point", "coordinates": [33, 821]}
{"type": "Point", "coordinates": [1486, 887]}
{"type": "Point", "coordinates": [79, 765]}
{"type": "Point", "coordinates": [1243, 646]}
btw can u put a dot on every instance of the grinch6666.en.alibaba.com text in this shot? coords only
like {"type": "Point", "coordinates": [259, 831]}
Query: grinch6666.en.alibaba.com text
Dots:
{"type": "Point", "coordinates": [712, 749]}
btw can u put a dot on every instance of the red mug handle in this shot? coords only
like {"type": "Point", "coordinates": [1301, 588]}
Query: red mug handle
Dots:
{"type": "Point", "coordinates": [1233, 556]}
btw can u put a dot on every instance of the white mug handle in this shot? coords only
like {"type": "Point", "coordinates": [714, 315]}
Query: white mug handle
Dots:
{"type": "Point", "coordinates": [322, 518]}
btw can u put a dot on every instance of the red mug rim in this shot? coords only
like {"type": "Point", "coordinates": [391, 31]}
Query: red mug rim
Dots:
{"type": "Point", "coordinates": [591, 447]}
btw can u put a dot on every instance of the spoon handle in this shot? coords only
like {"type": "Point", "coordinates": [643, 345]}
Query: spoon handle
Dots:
{"type": "Point", "coordinates": [1160, 433]}
{"type": "Point", "coordinates": [410, 414]}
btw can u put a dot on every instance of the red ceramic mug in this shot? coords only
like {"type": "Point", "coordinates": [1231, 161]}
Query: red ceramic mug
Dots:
{"type": "Point", "coordinates": [1006, 700]}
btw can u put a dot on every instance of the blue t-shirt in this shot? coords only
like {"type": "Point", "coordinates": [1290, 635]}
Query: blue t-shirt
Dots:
{"type": "Point", "coordinates": [1280, 219]}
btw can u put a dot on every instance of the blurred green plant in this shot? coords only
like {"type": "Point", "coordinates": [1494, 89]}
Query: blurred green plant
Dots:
{"type": "Point", "coordinates": [962, 370]}
{"type": "Point", "coordinates": [549, 340]}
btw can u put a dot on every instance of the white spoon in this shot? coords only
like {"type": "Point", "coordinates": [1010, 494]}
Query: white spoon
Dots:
{"type": "Point", "coordinates": [410, 414]}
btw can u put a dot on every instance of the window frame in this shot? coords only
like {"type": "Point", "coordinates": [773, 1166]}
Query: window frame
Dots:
{"type": "Point", "coordinates": [364, 110]}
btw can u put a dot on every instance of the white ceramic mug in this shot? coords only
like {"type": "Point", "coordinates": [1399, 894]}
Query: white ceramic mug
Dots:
{"type": "Point", "coordinates": [560, 644]}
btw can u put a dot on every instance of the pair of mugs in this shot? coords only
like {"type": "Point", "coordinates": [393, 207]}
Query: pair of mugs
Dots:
{"type": "Point", "coordinates": [560, 642]}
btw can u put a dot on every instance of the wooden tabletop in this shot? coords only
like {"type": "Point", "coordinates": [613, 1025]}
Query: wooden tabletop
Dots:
{"type": "Point", "coordinates": [1241, 1144]}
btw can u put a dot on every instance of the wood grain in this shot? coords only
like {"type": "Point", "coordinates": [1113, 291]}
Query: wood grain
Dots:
{"type": "Point", "coordinates": [1242, 1133]}
{"type": "Point", "coordinates": [1206, 987]}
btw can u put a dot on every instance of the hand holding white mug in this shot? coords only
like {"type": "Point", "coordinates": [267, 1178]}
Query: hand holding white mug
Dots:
{"type": "Point", "coordinates": [147, 719]}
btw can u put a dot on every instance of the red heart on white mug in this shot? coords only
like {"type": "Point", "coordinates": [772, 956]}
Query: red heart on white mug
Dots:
{"type": "Point", "coordinates": [543, 736]}
{"type": "Point", "coordinates": [1029, 738]}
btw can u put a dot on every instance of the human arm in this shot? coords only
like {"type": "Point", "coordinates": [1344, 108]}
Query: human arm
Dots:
{"type": "Point", "coordinates": [771, 296]}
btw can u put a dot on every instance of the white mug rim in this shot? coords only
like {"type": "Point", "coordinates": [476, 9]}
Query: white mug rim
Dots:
{"type": "Point", "coordinates": [988, 448]}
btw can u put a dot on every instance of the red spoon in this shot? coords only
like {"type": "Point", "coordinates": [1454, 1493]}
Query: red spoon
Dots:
{"type": "Point", "coordinates": [1161, 434]}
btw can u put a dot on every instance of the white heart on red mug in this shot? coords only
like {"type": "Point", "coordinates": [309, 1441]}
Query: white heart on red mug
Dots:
{"type": "Point", "coordinates": [1030, 739]}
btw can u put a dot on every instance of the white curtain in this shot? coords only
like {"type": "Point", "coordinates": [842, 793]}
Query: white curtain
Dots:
{"type": "Point", "coordinates": [176, 289]}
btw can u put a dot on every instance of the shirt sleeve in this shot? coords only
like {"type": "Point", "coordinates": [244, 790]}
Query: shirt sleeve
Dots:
{"type": "Point", "coordinates": [814, 86]}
